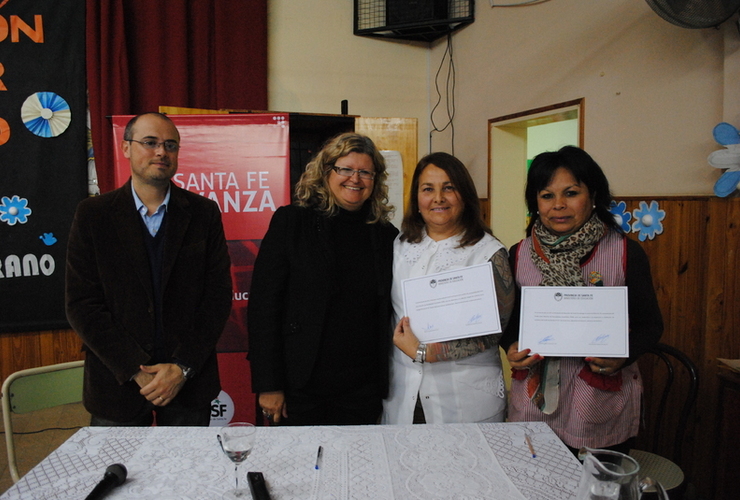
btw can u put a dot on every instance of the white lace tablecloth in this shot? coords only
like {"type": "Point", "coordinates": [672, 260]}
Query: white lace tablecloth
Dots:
{"type": "Point", "coordinates": [425, 462]}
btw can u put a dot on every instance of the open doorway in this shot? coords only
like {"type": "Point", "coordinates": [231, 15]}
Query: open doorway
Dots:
{"type": "Point", "coordinates": [513, 141]}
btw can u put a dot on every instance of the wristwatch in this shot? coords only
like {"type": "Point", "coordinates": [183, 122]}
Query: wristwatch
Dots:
{"type": "Point", "coordinates": [421, 353]}
{"type": "Point", "coordinates": [187, 372]}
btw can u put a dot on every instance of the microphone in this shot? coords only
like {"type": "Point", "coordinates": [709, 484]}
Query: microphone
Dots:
{"type": "Point", "coordinates": [114, 476]}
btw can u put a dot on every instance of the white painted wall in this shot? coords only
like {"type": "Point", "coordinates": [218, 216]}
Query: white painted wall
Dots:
{"type": "Point", "coordinates": [653, 91]}
{"type": "Point", "coordinates": [314, 62]}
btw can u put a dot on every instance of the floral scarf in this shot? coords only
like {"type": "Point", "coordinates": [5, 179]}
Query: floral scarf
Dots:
{"type": "Point", "coordinates": [558, 258]}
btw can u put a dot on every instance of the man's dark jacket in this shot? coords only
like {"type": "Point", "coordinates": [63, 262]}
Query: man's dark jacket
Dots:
{"type": "Point", "coordinates": [110, 302]}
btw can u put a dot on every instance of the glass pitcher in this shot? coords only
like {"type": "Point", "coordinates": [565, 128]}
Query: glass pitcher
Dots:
{"type": "Point", "coordinates": [610, 475]}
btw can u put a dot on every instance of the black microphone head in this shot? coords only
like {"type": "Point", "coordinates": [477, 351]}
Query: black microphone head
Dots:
{"type": "Point", "coordinates": [117, 471]}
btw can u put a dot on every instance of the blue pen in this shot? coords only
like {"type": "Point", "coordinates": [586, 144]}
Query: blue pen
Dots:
{"type": "Point", "coordinates": [318, 457]}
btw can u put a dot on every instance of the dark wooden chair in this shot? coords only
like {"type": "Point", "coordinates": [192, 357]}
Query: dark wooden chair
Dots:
{"type": "Point", "coordinates": [660, 463]}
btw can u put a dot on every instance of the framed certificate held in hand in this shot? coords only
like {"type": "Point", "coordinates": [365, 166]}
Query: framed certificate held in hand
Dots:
{"type": "Point", "coordinates": [575, 321]}
{"type": "Point", "coordinates": [453, 304]}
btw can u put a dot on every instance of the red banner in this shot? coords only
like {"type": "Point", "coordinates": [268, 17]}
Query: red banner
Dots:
{"type": "Point", "coordinates": [242, 162]}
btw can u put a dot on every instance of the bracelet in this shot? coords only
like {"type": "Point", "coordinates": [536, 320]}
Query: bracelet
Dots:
{"type": "Point", "coordinates": [421, 354]}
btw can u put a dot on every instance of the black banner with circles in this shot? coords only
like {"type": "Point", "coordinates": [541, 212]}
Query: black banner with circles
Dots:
{"type": "Point", "coordinates": [43, 155]}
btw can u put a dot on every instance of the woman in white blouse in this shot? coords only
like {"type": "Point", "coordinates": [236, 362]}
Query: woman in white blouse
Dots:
{"type": "Point", "coordinates": [459, 380]}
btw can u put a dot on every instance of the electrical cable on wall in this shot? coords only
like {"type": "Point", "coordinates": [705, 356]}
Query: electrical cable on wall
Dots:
{"type": "Point", "coordinates": [28, 433]}
{"type": "Point", "coordinates": [449, 95]}
{"type": "Point", "coordinates": [525, 2]}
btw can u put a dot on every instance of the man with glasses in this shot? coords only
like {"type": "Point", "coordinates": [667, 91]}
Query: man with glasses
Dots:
{"type": "Point", "coordinates": [149, 289]}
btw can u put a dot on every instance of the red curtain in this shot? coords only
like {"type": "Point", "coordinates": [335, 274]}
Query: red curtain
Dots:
{"type": "Point", "coordinates": [189, 53]}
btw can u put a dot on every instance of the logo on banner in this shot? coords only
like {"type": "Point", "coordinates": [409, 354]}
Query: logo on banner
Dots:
{"type": "Point", "coordinates": [222, 410]}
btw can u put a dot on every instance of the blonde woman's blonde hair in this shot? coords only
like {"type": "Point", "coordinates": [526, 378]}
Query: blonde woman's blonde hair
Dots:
{"type": "Point", "coordinates": [312, 189]}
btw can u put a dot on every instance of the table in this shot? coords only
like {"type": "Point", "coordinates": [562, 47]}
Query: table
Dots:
{"type": "Point", "coordinates": [471, 461]}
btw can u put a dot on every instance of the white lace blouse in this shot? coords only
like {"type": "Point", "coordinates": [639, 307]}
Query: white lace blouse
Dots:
{"type": "Point", "coordinates": [458, 391]}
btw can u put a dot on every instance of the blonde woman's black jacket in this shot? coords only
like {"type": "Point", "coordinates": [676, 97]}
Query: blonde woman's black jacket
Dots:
{"type": "Point", "coordinates": [290, 293]}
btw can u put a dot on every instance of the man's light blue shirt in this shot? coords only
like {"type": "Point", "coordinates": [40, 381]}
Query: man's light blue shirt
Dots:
{"type": "Point", "coordinates": [154, 221]}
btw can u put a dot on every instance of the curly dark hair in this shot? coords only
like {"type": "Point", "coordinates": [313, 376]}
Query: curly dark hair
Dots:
{"type": "Point", "coordinates": [583, 168]}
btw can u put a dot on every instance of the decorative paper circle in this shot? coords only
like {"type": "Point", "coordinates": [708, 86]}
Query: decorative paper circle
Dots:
{"type": "Point", "coordinates": [46, 114]}
{"type": "Point", "coordinates": [4, 132]}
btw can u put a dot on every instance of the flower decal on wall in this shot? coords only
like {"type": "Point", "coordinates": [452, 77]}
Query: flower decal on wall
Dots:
{"type": "Point", "coordinates": [619, 211]}
{"type": "Point", "coordinates": [14, 210]}
{"type": "Point", "coordinates": [728, 158]}
{"type": "Point", "coordinates": [648, 220]}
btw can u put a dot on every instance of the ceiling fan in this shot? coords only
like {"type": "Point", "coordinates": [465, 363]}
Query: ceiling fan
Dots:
{"type": "Point", "coordinates": [695, 13]}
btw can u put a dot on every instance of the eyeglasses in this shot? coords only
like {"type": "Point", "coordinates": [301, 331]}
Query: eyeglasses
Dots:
{"type": "Point", "coordinates": [170, 146]}
{"type": "Point", "coordinates": [349, 172]}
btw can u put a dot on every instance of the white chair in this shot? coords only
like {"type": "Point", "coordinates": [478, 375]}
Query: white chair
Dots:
{"type": "Point", "coordinates": [35, 389]}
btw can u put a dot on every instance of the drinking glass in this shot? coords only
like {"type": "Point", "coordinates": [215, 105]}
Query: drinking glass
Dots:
{"type": "Point", "coordinates": [237, 441]}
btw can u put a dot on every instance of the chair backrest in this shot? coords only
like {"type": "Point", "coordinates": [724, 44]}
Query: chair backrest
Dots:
{"type": "Point", "coordinates": [672, 358]}
{"type": "Point", "coordinates": [35, 389]}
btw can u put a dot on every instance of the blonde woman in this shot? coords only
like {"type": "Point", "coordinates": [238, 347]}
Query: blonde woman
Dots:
{"type": "Point", "coordinates": [319, 305]}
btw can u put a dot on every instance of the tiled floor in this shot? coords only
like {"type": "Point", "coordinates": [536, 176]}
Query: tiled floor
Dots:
{"type": "Point", "coordinates": [32, 448]}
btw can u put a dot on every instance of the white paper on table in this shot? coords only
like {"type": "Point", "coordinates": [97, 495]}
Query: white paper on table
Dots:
{"type": "Point", "coordinates": [453, 304]}
{"type": "Point", "coordinates": [575, 321]}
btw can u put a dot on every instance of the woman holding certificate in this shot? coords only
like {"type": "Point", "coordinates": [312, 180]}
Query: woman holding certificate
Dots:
{"type": "Point", "coordinates": [457, 380]}
{"type": "Point", "coordinates": [319, 305]}
{"type": "Point", "coordinates": [574, 241]}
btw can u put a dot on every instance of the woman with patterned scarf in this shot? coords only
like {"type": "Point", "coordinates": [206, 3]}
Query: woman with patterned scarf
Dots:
{"type": "Point", "coordinates": [573, 240]}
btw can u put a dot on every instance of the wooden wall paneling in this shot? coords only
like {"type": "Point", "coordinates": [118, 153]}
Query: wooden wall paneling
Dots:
{"type": "Point", "coordinates": [19, 351]}
{"type": "Point", "coordinates": [177, 110]}
{"type": "Point", "coordinates": [694, 264]}
{"type": "Point", "coordinates": [63, 345]}
{"type": "Point", "coordinates": [6, 355]}
{"type": "Point", "coordinates": [723, 284]}
{"type": "Point", "coordinates": [46, 347]}
{"type": "Point", "coordinates": [688, 324]}
{"type": "Point", "coordinates": [395, 134]}
{"type": "Point", "coordinates": [722, 330]}
{"type": "Point", "coordinates": [678, 259]}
